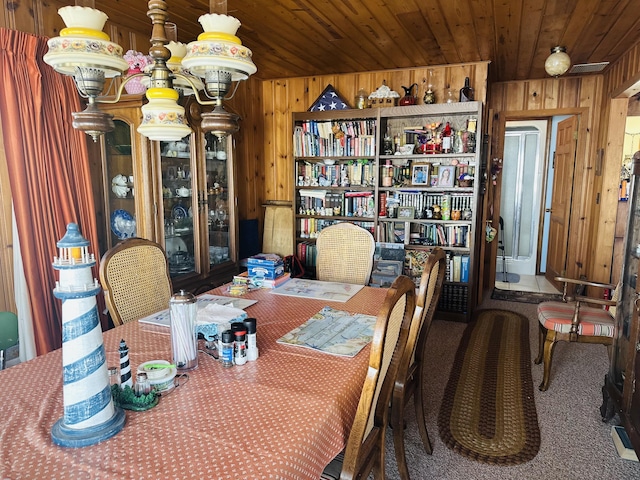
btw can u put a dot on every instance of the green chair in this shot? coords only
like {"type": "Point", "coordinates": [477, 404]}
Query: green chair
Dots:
{"type": "Point", "coordinates": [8, 333]}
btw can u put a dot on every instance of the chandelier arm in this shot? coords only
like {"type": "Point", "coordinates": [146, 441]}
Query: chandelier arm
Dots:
{"type": "Point", "coordinates": [194, 87]}
{"type": "Point", "coordinates": [235, 89]}
{"type": "Point", "coordinates": [118, 93]}
{"type": "Point", "coordinates": [215, 99]}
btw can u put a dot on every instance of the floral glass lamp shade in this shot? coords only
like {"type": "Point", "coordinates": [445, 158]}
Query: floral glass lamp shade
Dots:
{"type": "Point", "coordinates": [218, 55]}
{"type": "Point", "coordinates": [558, 62]}
{"type": "Point", "coordinates": [84, 52]}
{"type": "Point", "coordinates": [163, 118]}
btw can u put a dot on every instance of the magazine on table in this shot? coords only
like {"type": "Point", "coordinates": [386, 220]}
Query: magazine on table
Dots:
{"type": "Point", "coordinates": [333, 331]}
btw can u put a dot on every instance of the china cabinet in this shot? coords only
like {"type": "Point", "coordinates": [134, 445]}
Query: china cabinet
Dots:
{"type": "Point", "coordinates": [620, 393]}
{"type": "Point", "coordinates": [179, 194]}
{"type": "Point", "coordinates": [408, 174]}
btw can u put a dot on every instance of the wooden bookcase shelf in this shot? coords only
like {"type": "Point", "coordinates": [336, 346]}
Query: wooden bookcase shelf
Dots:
{"type": "Point", "coordinates": [344, 172]}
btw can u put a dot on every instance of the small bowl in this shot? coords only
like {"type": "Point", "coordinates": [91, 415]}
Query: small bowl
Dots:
{"type": "Point", "coordinates": [160, 378]}
{"type": "Point", "coordinates": [407, 149]}
{"type": "Point", "coordinates": [328, 161]}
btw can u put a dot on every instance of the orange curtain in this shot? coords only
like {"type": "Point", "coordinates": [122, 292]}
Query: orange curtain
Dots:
{"type": "Point", "coordinates": [48, 171]}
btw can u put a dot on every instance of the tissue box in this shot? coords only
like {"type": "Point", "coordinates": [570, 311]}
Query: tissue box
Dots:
{"type": "Point", "coordinates": [266, 266]}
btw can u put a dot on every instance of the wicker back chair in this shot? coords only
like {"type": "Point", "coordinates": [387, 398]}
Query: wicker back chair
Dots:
{"type": "Point", "coordinates": [411, 369]}
{"type": "Point", "coordinates": [135, 278]}
{"type": "Point", "coordinates": [345, 254]}
{"type": "Point", "coordinates": [365, 448]}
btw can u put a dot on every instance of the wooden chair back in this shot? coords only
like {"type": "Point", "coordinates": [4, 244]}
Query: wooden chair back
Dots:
{"type": "Point", "coordinates": [365, 447]}
{"type": "Point", "coordinates": [345, 254]}
{"type": "Point", "coordinates": [135, 277]}
{"type": "Point", "coordinates": [411, 369]}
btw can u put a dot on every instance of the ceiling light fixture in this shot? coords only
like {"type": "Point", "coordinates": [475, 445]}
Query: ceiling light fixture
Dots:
{"type": "Point", "coordinates": [558, 62]}
{"type": "Point", "coordinates": [86, 53]}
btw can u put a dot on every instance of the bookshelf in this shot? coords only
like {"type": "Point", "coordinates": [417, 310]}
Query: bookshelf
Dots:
{"type": "Point", "coordinates": [359, 166]}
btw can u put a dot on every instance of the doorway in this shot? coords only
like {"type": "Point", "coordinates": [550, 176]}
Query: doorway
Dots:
{"type": "Point", "coordinates": [521, 197]}
{"type": "Point", "coordinates": [525, 204]}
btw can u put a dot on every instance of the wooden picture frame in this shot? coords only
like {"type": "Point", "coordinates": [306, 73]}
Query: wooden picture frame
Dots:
{"type": "Point", "coordinates": [446, 175]}
{"type": "Point", "coordinates": [406, 212]}
{"type": "Point", "coordinates": [420, 174]}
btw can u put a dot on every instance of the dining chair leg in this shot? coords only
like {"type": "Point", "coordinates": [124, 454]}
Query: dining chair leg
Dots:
{"type": "Point", "coordinates": [421, 418]}
{"type": "Point", "coordinates": [397, 425]}
{"type": "Point", "coordinates": [542, 333]}
{"type": "Point", "coordinates": [549, 345]}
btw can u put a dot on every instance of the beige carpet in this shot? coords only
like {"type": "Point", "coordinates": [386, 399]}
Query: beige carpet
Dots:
{"type": "Point", "coordinates": [575, 443]}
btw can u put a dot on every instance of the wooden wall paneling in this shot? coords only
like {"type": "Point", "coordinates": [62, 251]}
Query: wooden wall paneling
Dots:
{"type": "Point", "coordinates": [19, 16]}
{"type": "Point", "coordinates": [283, 168]}
{"type": "Point", "coordinates": [623, 74]}
{"type": "Point", "coordinates": [613, 136]}
{"type": "Point", "coordinates": [621, 80]}
{"type": "Point", "coordinates": [578, 95]}
{"type": "Point", "coordinates": [252, 162]}
{"type": "Point", "coordinates": [50, 23]}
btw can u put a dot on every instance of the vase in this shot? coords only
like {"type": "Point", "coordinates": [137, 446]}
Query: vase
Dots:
{"type": "Point", "coordinates": [134, 86]}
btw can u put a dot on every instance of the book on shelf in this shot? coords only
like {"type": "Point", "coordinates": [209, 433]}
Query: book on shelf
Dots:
{"type": "Point", "coordinates": [623, 443]}
{"type": "Point", "coordinates": [464, 268]}
{"type": "Point", "coordinates": [457, 263]}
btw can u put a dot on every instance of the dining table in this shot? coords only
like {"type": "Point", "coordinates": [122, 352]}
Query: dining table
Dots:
{"type": "Point", "coordinates": [282, 416]}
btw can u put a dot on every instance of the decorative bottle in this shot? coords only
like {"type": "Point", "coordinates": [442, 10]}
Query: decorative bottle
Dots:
{"type": "Point", "coordinates": [446, 138]}
{"type": "Point", "coordinates": [466, 92]}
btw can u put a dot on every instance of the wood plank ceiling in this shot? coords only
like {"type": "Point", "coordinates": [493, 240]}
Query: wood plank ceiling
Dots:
{"type": "Point", "coordinates": [291, 38]}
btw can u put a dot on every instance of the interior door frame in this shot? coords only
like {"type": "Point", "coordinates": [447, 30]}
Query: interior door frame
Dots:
{"type": "Point", "coordinates": [491, 212]}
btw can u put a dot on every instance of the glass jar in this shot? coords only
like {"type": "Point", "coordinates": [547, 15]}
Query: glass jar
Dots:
{"type": "Point", "coordinates": [361, 99]}
{"type": "Point", "coordinates": [184, 340]}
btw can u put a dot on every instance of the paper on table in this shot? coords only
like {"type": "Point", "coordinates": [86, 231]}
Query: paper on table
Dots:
{"type": "Point", "coordinates": [333, 331]}
{"type": "Point", "coordinates": [163, 318]}
{"type": "Point", "coordinates": [332, 291]}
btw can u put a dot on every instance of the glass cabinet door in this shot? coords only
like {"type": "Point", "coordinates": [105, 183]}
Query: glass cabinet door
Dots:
{"type": "Point", "coordinates": [219, 210]}
{"type": "Point", "coordinates": [178, 190]}
{"type": "Point", "coordinates": [118, 185]}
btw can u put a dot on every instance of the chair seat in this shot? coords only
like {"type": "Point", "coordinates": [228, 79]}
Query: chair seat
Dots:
{"type": "Point", "coordinates": [594, 322]}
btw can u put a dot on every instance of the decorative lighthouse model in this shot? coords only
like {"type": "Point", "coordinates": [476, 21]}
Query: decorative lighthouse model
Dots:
{"type": "Point", "coordinates": [89, 414]}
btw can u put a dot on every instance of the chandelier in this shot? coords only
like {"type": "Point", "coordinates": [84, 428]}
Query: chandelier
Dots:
{"type": "Point", "coordinates": [210, 65]}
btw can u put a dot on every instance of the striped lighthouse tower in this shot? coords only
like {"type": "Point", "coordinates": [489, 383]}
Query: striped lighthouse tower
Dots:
{"type": "Point", "coordinates": [89, 414]}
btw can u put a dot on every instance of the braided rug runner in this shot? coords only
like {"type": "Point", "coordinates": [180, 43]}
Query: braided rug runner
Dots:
{"type": "Point", "coordinates": [488, 412]}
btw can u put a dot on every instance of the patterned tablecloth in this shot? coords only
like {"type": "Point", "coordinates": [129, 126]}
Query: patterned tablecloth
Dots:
{"type": "Point", "coordinates": [284, 416]}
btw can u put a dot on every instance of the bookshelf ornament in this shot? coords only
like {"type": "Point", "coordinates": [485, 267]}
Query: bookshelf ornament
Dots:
{"type": "Point", "coordinates": [329, 100]}
{"type": "Point", "coordinates": [90, 416]}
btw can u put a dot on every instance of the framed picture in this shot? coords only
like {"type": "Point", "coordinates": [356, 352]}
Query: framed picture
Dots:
{"type": "Point", "coordinates": [420, 174]}
{"type": "Point", "coordinates": [406, 212]}
{"type": "Point", "coordinates": [446, 175]}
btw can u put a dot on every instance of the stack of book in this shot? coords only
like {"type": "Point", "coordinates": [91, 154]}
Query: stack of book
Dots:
{"type": "Point", "coordinates": [261, 282]}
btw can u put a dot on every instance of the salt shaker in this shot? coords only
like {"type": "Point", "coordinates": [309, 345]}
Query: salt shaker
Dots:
{"type": "Point", "coordinates": [184, 340]}
{"type": "Point", "coordinates": [226, 348]}
{"type": "Point", "coordinates": [252, 348]}
{"type": "Point", "coordinates": [240, 349]}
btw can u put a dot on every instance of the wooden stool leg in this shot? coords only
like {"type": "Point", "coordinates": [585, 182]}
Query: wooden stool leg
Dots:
{"type": "Point", "coordinates": [549, 345]}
